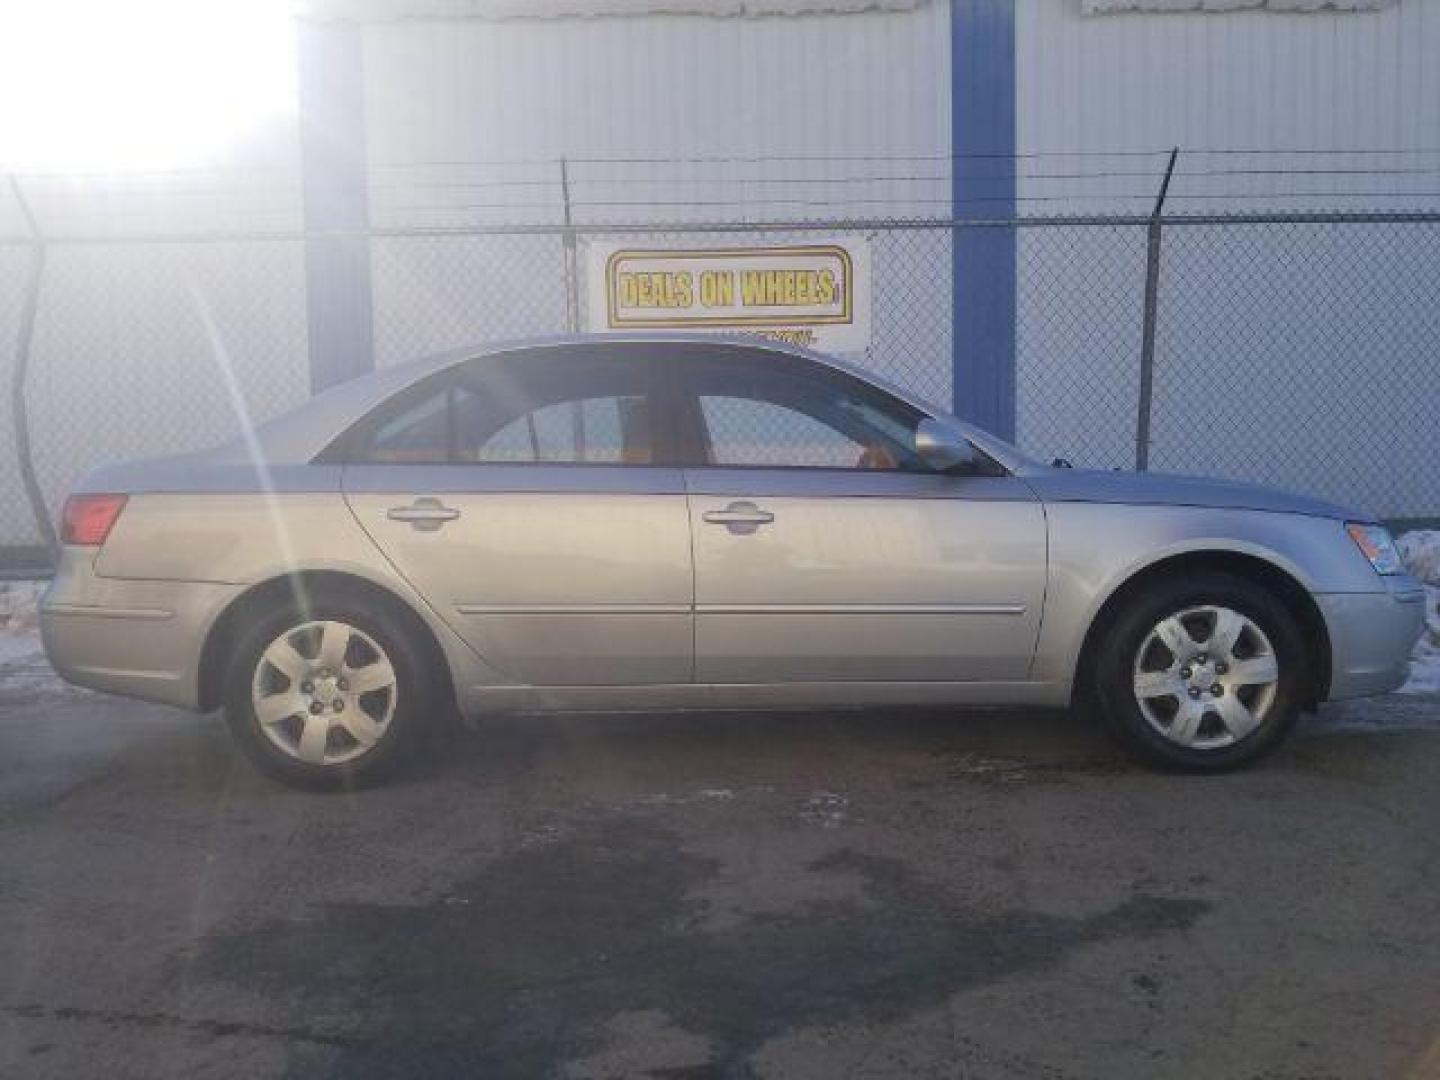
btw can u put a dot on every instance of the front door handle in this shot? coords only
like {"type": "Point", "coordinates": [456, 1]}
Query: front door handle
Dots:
{"type": "Point", "coordinates": [424, 514]}
{"type": "Point", "coordinates": [741, 518]}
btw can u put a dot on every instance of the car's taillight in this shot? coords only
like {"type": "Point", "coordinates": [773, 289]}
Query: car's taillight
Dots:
{"type": "Point", "coordinates": [88, 519]}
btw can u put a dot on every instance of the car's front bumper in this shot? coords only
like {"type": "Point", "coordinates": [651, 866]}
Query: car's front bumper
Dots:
{"type": "Point", "coordinates": [124, 636]}
{"type": "Point", "coordinates": [1371, 636]}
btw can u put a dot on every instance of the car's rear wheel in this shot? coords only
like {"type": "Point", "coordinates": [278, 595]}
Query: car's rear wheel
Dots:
{"type": "Point", "coordinates": [1204, 673]}
{"type": "Point", "coordinates": [329, 696]}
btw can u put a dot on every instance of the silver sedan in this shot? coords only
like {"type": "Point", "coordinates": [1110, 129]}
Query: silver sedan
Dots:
{"type": "Point", "coordinates": [681, 522]}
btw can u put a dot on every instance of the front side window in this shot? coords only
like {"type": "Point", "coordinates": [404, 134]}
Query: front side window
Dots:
{"type": "Point", "coordinates": [760, 413]}
{"type": "Point", "coordinates": [524, 409]}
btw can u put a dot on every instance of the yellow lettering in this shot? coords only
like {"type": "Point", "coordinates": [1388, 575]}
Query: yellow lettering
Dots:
{"type": "Point", "coordinates": [785, 288]}
{"type": "Point", "coordinates": [717, 288]}
{"type": "Point", "coordinates": [657, 289]}
{"type": "Point", "coordinates": [826, 288]}
{"type": "Point", "coordinates": [752, 283]}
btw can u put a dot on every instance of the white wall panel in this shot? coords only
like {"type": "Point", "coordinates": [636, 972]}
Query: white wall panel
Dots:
{"type": "Point", "coordinates": [468, 119]}
{"type": "Point", "coordinates": [1229, 81]}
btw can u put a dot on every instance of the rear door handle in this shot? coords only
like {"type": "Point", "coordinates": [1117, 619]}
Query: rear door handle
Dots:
{"type": "Point", "coordinates": [742, 518]}
{"type": "Point", "coordinates": [424, 514]}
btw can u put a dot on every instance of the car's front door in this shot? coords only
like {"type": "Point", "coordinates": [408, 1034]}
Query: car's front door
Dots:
{"type": "Point", "coordinates": [527, 499]}
{"type": "Point", "coordinates": [826, 550]}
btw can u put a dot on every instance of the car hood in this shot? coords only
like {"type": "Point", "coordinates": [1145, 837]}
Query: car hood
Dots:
{"type": "Point", "coordinates": [1162, 489]}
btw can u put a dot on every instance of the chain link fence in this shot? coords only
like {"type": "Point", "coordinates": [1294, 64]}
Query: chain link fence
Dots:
{"type": "Point", "coordinates": [1302, 351]}
{"type": "Point", "coordinates": [1304, 354]}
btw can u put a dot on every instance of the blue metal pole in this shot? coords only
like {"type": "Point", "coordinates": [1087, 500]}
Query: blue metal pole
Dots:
{"type": "Point", "coordinates": [982, 126]}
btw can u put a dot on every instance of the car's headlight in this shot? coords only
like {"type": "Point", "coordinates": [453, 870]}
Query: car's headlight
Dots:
{"type": "Point", "coordinates": [1375, 542]}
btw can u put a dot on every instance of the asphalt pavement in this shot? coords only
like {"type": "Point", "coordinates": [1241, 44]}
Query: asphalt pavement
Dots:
{"type": "Point", "coordinates": [840, 894]}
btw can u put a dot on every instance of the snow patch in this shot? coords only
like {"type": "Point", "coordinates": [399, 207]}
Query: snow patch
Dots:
{"type": "Point", "coordinates": [1421, 551]}
{"type": "Point", "coordinates": [24, 669]}
{"type": "Point", "coordinates": [19, 648]}
{"type": "Point", "coordinates": [23, 666]}
{"type": "Point", "coordinates": [20, 605]}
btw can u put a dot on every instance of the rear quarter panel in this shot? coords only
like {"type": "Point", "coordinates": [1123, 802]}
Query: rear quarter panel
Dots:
{"type": "Point", "coordinates": [241, 539]}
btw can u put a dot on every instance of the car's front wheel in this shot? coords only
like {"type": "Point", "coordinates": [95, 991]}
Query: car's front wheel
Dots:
{"type": "Point", "coordinates": [1206, 672]}
{"type": "Point", "coordinates": [327, 696]}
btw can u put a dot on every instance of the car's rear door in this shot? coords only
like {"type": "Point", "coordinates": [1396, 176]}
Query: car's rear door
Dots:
{"type": "Point", "coordinates": [824, 548]}
{"type": "Point", "coordinates": [527, 498]}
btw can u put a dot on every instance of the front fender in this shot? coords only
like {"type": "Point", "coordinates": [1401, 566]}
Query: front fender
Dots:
{"type": "Point", "coordinates": [1096, 548]}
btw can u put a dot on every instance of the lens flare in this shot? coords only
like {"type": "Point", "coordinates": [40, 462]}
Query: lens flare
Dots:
{"type": "Point", "coordinates": [146, 84]}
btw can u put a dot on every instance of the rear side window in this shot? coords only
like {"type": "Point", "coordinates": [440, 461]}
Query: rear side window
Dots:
{"type": "Point", "coordinates": [606, 429]}
{"type": "Point", "coordinates": [417, 434]}
{"type": "Point", "coordinates": [525, 409]}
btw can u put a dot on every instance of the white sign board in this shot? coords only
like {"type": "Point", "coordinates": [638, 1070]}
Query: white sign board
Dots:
{"type": "Point", "coordinates": [815, 294]}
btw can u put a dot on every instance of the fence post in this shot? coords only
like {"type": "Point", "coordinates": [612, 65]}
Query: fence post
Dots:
{"type": "Point", "coordinates": [572, 269]}
{"type": "Point", "coordinates": [19, 410]}
{"type": "Point", "coordinates": [1153, 236]}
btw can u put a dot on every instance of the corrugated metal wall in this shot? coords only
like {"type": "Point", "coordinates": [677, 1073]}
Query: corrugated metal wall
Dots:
{"type": "Point", "coordinates": [466, 119]}
{"type": "Point", "coordinates": [1227, 81]}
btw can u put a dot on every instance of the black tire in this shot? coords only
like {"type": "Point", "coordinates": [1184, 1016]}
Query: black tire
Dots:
{"type": "Point", "coordinates": [414, 692]}
{"type": "Point", "coordinates": [1115, 659]}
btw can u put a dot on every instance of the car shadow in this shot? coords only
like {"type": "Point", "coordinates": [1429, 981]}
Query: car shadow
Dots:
{"type": "Point", "coordinates": [699, 750]}
{"type": "Point", "coordinates": [753, 746]}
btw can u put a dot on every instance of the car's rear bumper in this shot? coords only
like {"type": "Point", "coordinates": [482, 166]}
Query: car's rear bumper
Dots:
{"type": "Point", "coordinates": [138, 638]}
{"type": "Point", "coordinates": [1371, 635]}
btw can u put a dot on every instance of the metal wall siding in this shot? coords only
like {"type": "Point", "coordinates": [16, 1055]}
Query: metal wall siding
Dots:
{"type": "Point", "coordinates": [1207, 81]}
{"type": "Point", "coordinates": [443, 99]}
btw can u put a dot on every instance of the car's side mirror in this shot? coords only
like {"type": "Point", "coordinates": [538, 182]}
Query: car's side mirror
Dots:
{"type": "Point", "coordinates": [943, 448]}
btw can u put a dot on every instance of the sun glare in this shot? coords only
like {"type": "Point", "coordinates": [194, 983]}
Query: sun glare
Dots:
{"type": "Point", "coordinates": [139, 84]}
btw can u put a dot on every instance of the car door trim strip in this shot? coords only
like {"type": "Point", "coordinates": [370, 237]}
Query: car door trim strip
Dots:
{"type": "Point", "coordinates": [94, 611]}
{"type": "Point", "coordinates": [860, 609]}
{"type": "Point", "coordinates": [741, 609]}
{"type": "Point", "coordinates": [573, 609]}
